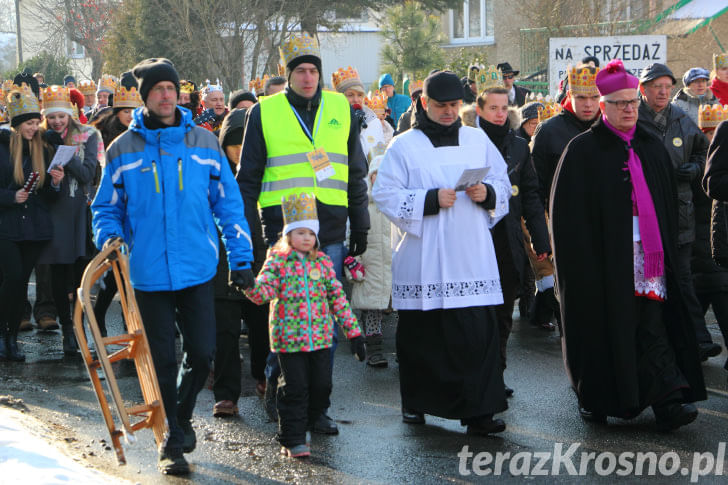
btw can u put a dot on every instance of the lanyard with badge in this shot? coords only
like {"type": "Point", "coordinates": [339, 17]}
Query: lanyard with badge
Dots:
{"type": "Point", "coordinates": [318, 158]}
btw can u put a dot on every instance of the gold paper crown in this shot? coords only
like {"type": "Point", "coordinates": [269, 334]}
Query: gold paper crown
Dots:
{"type": "Point", "coordinates": [6, 88]}
{"type": "Point", "coordinates": [107, 83]}
{"type": "Point", "coordinates": [257, 85]}
{"type": "Point", "coordinates": [583, 81]}
{"type": "Point", "coordinates": [301, 207]}
{"type": "Point", "coordinates": [416, 86]}
{"type": "Point", "coordinates": [184, 87]}
{"type": "Point", "coordinates": [488, 78]}
{"type": "Point", "coordinates": [87, 87]}
{"type": "Point", "coordinates": [377, 103]}
{"type": "Point", "coordinates": [710, 116]}
{"type": "Point", "coordinates": [22, 101]}
{"type": "Point", "coordinates": [127, 98]}
{"type": "Point", "coordinates": [75, 113]}
{"type": "Point", "coordinates": [550, 108]}
{"type": "Point", "coordinates": [344, 79]}
{"type": "Point", "coordinates": [56, 97]}
{"type": "Point", "coordinates": [720, 60]}
{"type": "Point", "coordinates": [297, 46]}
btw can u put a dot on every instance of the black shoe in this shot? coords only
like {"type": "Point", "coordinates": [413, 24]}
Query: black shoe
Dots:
{"type": "Point", "coordinates": [14, 353]}
{"type": "Point", "coordinates": [410, 416]}
{"type": "Point", "coordinates": [70, 347]}
{"type": "Point", "coordinates": [3, 347]}
{"type": "Point", "coordinates": [707, 350]}
{"type": "Point", "coordinates": [674, 415]}
{"type": "Point", "coordinates": [325, 425]}
{"type": "Point", "coordinates": [190, 439]}
{"type": "Point", "coordinates": [485, 425]}
{"type": "Point", "coordinates": [592, 417]}
{"type": "Point", "coordinates": [509, 391]}
{"type": "Point", "coordinates": [172, 462]}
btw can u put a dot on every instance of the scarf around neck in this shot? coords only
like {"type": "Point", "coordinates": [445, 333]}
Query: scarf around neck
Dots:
{"type": "Point", "coordinates": [649, 228]}
{"type": "Point", "coordinates": [720, 89]}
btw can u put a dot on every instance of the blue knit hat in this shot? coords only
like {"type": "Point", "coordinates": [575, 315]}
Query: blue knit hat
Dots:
{"type": "Point", "coordinates": [694, 74]}
{"type": "Point", "coordinates": [386, 79]}
{"type": "Point", "coordinates": [69, 79]}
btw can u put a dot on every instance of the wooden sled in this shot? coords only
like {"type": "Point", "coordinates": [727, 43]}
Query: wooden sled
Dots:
{"type": "Point", "coordinates": [150, 414]}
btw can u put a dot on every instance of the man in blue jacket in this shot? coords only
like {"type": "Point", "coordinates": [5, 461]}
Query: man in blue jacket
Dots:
{"type": "Point", "coordinates": [166, 186]}
{"type": "Point", "coordinates": [398, 103]}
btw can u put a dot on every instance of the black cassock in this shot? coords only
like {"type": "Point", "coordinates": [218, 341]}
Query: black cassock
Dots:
{"type": "Point", "coordinates": [610, 366]}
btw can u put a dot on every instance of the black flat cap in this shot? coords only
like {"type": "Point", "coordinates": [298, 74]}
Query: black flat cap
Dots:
{"type": "Point", "coordinates": [443, 86]}
{"type": "Point", "coordinates": [654, 71]}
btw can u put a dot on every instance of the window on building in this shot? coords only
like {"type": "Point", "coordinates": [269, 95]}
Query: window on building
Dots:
{"type": "Point", "coordinates": [75, 50]}
{"type": "Point", "coordinates": [472, 22]}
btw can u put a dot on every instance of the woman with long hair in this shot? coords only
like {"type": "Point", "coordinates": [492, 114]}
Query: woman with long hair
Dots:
{"type": "Point", "coordinates": [67, 253]}
{"type": "Point", "coordinates": [26, 191]}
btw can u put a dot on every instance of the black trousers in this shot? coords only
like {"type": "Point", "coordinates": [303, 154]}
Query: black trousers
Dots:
{"type": "Point", "coordinates": [685, 279]}
{"type": "Point", "coordinates": [196, 310]}
{"type": "Point", "coordinates": [228, 313]}
{"type": "Point", "coordinates": [719, 300]}
{"type": "Point", "coordinates": [65, 278]}
{"type": "Point", "coordinates": [17, 259]}
{"type": "Point", "coordinates": [304, 387]}
{"type": "Point", "coordinates": [44, 306]}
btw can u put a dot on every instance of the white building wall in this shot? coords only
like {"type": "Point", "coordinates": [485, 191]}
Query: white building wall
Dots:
{"type": "Point", "coordinates": [357, 49]}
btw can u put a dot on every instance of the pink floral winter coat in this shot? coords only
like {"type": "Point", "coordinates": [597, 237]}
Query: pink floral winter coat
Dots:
{"type": "Point", "coordinates": [304, 295]}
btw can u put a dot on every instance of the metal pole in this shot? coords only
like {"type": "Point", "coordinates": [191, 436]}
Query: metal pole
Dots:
{"type": "Point", "coordinates": [18, 36]}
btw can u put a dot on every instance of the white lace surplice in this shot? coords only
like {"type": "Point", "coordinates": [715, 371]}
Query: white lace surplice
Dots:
{"type": "Point", "coordinates": [653, 288]}
{"type": "Point", "coordinates": [445, 260]}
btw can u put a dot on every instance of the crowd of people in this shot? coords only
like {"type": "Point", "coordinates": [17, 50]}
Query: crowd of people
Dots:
{"type": "Point", "coordinates": [443, 207]}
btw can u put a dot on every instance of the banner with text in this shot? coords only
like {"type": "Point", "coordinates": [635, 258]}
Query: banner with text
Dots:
{"type": "Point", "coordinates": [636, 51]}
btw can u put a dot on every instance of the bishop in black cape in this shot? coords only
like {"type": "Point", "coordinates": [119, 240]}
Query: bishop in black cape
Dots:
{"type": "Point", "coordinates": [591, 224]}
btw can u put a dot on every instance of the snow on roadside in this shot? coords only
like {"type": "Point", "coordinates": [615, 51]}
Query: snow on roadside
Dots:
{"type": "Point", "coordinates": [27, 458]}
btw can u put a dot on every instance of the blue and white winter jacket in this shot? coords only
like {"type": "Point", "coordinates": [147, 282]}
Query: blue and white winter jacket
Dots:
{"type": "Point", "coordinates": [165, 191]}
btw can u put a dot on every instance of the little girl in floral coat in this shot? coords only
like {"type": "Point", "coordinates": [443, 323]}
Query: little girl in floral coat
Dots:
{"type": "Point", "coordinates": [305, 295]}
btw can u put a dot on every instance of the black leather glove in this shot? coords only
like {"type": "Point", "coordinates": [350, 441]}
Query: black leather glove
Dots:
{"type": "Point", "coordinates": [111, 241]}
{"type": "Point", "coordinates": [687, 171]}
{"type": "Point", "coordinates": [243, 279]}
{"type": "Point", "coordinates": [53, 138]}
{"type": "Point", "coordinates": [359, 348]}
{"type": "Point", "coordinates": [357, 243]}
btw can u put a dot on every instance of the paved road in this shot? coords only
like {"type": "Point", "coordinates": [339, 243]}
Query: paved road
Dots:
{"type": "Point", "coordinates": [374, 446]}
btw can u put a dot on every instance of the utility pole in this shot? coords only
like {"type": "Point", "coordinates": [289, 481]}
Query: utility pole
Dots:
{"type": "Point", "coordinates": [18, 37]}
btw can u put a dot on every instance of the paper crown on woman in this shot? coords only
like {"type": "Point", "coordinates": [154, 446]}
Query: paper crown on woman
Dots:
{"type": "Point", "coordinates": [22, 101]}
{"type": "Point", "coordinates": [299, 210]}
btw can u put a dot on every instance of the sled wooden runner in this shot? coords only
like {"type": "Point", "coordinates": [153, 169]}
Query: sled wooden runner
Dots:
{"type": "Point", "coordinates": [134, 346]}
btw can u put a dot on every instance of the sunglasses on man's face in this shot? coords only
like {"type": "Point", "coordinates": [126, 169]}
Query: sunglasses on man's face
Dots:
{"type": "Point", "coordinates": [508, 76]}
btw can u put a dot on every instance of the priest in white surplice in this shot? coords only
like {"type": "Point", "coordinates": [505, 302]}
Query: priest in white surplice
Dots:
{"type": "Point", "coordinates": [445, 280]}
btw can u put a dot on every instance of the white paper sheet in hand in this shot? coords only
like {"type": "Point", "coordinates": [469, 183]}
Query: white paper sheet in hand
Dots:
{"type": "Point", "coordinates": [470, 177]}
{"type": "Point", "coordinates": [64, 154]}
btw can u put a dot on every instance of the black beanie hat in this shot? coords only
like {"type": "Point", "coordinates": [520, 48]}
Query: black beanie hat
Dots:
{"type": "Point", "coordinates": [315, 60]}
{"type": "Point", "coordinates": [151, 71]}
{"type": "Point", "coordinates": [69, 79]}
{"type": "Point", "coordinates": [240, 95]}
{"type": "Point", "coordinates": [25, 77]}
{"type": "Point", "coordinates": [127, 80]}
{"type": "Point", "coordinates": [231, 131]}
{"type": "Point", "coordinates": [443, 86]}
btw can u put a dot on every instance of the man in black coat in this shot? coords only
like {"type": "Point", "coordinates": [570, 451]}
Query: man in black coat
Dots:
{"type": "Point", "coordinates": [581, 108]}
{"type": "Point", "coordinates": [516, 94]}
{"type": "Point", "coordinates": [492, 109]}
{"type": "Point", "coordinates": [627, 343]}
{"type": "Point", "coordinates": [687, 147]}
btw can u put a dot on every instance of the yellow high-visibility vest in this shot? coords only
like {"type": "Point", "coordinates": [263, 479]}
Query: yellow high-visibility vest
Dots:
{"type": "Point", "coordinates": [287, 169]}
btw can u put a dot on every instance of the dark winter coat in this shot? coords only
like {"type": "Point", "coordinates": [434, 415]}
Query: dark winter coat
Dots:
{"type": "Point", "coordinates": [707, 275]}
{"type": "Point", "coordinates": [549, 141]}
{"type": "Point", "coordinates": [31, 220]}
{"type": "Point", "coordinates": [719, 233]}
{"type": "Point", "coordinates": [715, 181]}
{"type": "Point", "coordinates": [524, 202]}
{"type": "Point", "coordinates": [253, 159]}
{"type": "Point", "coordinates": [520, 98]}
{"type": "Point", "coordinates": [591, 224]}
{"type": "Point", "coordinates": [70, 213]}
{"type": "Point", "coordinates": [686, 144]}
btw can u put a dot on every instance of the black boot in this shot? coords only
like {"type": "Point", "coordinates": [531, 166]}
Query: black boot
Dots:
{"type": "Point", "coordinates": [13, 351]}
{"type": "Point", "coordinates": [70, 347]}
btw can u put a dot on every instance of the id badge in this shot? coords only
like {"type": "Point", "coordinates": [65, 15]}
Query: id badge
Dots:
{"type": "Point", "coordinates": [319, 161]}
